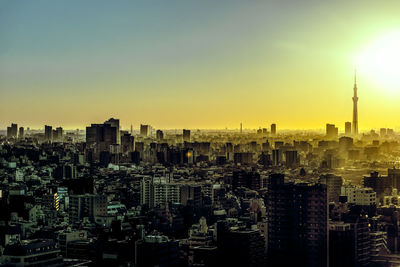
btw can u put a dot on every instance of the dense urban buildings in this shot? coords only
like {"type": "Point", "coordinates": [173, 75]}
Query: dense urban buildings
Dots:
{"type": "Point", "coordinates": [200, 198]}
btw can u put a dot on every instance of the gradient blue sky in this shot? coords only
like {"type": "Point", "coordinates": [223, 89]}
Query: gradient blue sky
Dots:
{"type": "Point", "coordinates": [194, 64]}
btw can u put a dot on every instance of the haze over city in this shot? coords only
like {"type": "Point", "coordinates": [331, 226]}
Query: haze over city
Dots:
{"type": "Point", "coordinates": [204, 64]}
{"type": "Point", "coordinates": [199, 133]}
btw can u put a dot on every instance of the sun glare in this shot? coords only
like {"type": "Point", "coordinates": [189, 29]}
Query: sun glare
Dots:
{"type": "Point", "coordinates": [380, 62]}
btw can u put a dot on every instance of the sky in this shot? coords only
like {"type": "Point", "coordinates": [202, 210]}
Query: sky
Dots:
{"type": "Point", "coordinates": [197, 64]}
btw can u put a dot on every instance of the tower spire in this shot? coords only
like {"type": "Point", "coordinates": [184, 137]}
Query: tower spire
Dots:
{"type": "Point", "coordinates": [355, 77]}
{"type": "Point", "coordinates": [355, 109]}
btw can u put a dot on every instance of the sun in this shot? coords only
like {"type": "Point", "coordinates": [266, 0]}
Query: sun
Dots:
{"type": "Point", "coordinates": [380, 62]}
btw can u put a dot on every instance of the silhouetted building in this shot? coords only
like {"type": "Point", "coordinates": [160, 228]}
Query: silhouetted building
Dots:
{"type": "Point", "coordinates": [331, 131]}
{"type": "Point", "coordinates": [382, 185]}
{"type": "Point", "coordinates": [276, 157]}
{"type": "Point", "coordinates": [347, 128]}
{"type": "Point", "coordinates": [102, 136]}
{"type": "Point", "coordinates": [297, 223]}
{"type": "Point", "coordinates": [144, 130]}
{"type": "Point", "coordinates": [127, 143]}
{"type": "Point", "coordinates": [58, 133]}
{"type": "Point", "coordinates": [246, 179]}
{"type": "Point", "coordinates": [186, 135]}
{"type": "Point", "coordinates": [48, 133]}
{"type": "Point", "coordinates": [21, 133]}
{"type": "Point", "coordinates": [12, 131]}
{"type": "Point", "coordinates": [273, 129]}
{"type": "Point", "coordinates": [342, 241]}
{"type": "Point", "coordinates": [159, 135]}
{"type": "Point", "coordinates": [114, 123]}
{"type": "Point", "coordinates": [292, 159]}
{"type": "Point", "coordinates": [394, 176]}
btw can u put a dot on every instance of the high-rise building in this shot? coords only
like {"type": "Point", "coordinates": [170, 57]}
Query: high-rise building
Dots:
{"type": "Point", "coordinates": [347, 128]}
{"type": "Point", "coordinates": [331, 131]}
{"type": "Point", "coordinates": [114, 123]}
{"type": "Point", "coordinates": [12, 131]}
{"type": "Point", "coordinates": [248, 179]}
{"type": "Point", "coordinates": [48, 133]}
{"type": "Point", "coordinates": [127, 142]}
{"type": "Point", "coordinates": [21, 133]}
{"type": "Point", "coordinates": [159, 135]}
{"type": "Point", "coordinates": [276, 157]}
{"type": "Point", "coordinates": [355, 110]}
{"type": "Point", "coordinates": [144, 130]}
{"type": "Point", "coordinates": [60, 133]}
{"type": "Point", "coordinates": [186, 135]}
{"type": "Point", "coordinates": [394, 176]}
{"type": "Point", "coordinates": [297, 223]}
{"type": "Point", "coordinates": [292, 159]}
{"type": "Point", "coordinates": [273, 129]}
{"type": "Point", "coordinates": [382, 185]}
{"type": "Point", "coordinates": [342, 243]}
{"type": "Point", "coordinates": [102, 136]}
{"type": "Point", "coordinates": [333, 186]}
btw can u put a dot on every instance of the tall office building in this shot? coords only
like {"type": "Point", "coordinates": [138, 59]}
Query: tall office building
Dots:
{"type": "Point", "coordinates": [273, 129]}
{"type": "Point", "coordinates": [347, 128]}
{"type": "Point", "coordinates": [297, 223]}
{"type": "Point", "coordinates": [21, 133]}
{"type": "Point", "coordinates": [355, 110]}
{"type": "Point", "coordinates": [276, 157]}
{"type": "Point", "coordinates": [331, 131]}
{"type": "Point", "coordinates": [144, 130]}
{"type": "Point", "coordinates": [292, 159]}
{"type": "Point", "coordinates": [127, 142]}
{"type": "Point", "coordinates": [12, 131]}
{"type": "Point", "coordinates": [102, 136]}
{"type": "Point", "coordinates": [48, 133]}
{"type": "Point", "coordinates": [115, 123]}
{"type": "Point", "coordinates": [58, 134]}
{"type": "Point", "coordinates": [186, 135]}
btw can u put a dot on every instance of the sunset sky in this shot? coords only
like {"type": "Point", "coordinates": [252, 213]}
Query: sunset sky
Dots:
{"type": "Point", "coordinates": [199, 64]}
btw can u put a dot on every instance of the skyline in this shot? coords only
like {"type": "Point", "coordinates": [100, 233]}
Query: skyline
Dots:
{"type": "Point", "coordinates": [194, 65]}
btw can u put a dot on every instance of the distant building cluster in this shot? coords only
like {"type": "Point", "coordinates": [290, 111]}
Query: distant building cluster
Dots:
{"type": "Point", "coordinates": [156, 197]}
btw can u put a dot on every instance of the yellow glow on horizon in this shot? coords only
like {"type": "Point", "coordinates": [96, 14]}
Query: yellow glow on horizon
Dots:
{"type": "Point", "coordinates": [380, 61]}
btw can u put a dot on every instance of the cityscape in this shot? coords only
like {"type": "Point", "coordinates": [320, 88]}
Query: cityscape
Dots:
{"type": "Point", "coordinates": [177, 134]}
